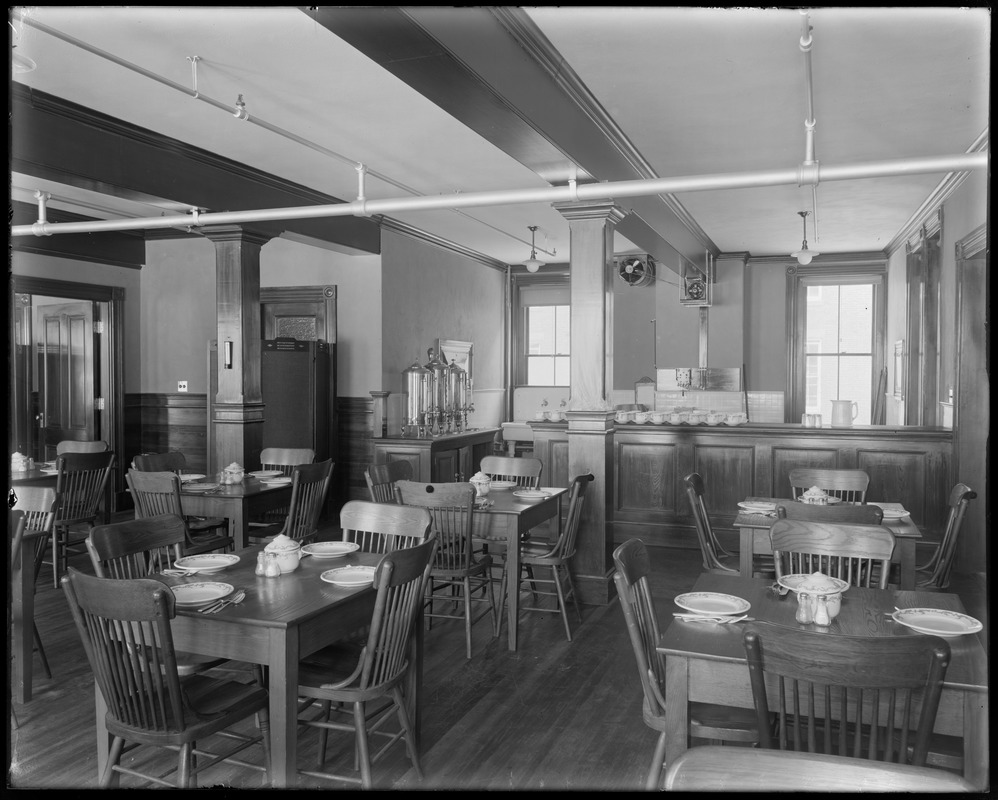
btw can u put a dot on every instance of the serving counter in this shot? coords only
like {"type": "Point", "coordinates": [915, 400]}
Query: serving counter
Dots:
{"type": "Point", "coordinates": [907, 465]}
{"type": "Point", "coordinates": [439, 459]}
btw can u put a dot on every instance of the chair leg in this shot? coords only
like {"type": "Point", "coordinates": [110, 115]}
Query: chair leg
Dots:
{"type": "Point", "coordinates": [467, 616]}
{"type": "Point", "coordinates": [360, 724]}
{"type": "Point", "coordinates": [263, 721]}
{"type": "Point", "coordinates": [41, 654]}
{"type": "Point", "coordinates": [111, 779]}
{"type": "Point", "coordinates": [406, 723]}
{"type": "Point", "coordinates": [562, 607]}
{"type": "Point", "coordinates": [572, 592]}
{"type": "Point", "coordinates": [320, 756]}
{"type": "Point", "coordinates": [655, 773]}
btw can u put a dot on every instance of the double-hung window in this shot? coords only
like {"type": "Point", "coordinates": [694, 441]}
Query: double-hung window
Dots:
{"type": "Point", "coordinates": [543, 336]}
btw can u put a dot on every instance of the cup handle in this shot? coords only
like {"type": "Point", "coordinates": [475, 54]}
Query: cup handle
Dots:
{"type": "Point", "coordinates": [855, 409]}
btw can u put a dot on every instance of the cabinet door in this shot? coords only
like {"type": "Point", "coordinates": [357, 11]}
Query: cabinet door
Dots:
{"type": "Point", "coordinates": [446, 466]}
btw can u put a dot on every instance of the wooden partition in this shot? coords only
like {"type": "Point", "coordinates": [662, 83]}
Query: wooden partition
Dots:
{"type": "Point", "coordinates": [911, 466]}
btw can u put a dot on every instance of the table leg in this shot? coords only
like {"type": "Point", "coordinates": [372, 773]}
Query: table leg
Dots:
{"type": "Point", "coordinates": [23, 621]}
{"type": "Point", "coordinates": [906, 548]}
{"type": "Point", "coordinates": [238, 529]}
{"type": "Point", "coordinates": [283, 687]}
{"type": "Point", "coordinates": [512, 581]}
{"type": "Point", "coordinates": [677, 694]}
{"type": "Point", "coordinates": [746, 543]}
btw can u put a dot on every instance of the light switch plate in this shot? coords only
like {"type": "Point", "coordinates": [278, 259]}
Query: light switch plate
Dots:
{"type": "Point", "coordinates": [181, 386]}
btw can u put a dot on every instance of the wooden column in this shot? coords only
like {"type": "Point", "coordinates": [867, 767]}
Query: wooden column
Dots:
{"type": "Point", "coordinates": [590, 409]}
{"type": "Point", "coordinates": [238, 413]}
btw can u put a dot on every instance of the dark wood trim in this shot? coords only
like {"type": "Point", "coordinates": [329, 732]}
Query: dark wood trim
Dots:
{"type": "Point", "coordinates": [58, 140]}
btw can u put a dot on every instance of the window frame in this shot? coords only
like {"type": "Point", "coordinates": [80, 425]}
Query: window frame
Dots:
{"type": "Point", "coordinates": [799, 278]}
{"type": "Point", "coordinates": [524, 283]}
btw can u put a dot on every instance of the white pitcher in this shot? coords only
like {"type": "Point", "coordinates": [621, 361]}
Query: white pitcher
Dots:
{"type": "Point", "coordinates": [844, 412]}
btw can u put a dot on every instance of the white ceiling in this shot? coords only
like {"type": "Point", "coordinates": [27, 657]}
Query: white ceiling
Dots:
{"type": "Point", "coordinates": [695, 91]}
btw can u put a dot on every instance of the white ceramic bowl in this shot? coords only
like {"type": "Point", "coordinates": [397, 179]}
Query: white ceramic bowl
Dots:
{"type": "Point", "coordinates": [288, 558]}
{"type": "Point", "coordinates": [641, 416]}
{"type": "Point", "coordinates": [658, 417]}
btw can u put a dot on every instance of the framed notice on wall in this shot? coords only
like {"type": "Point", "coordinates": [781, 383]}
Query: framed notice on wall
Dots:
{"type": "Point", "coordinates": [452, 351]}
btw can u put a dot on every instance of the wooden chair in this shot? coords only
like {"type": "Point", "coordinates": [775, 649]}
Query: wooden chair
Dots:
{"type": "Point", "coordinates": [849, 485]}
{"type": "Point", "coordinates": [340, 675]}
{"type": "Point", "coordinates": [853, 696]}
{"type": "Point", "coordinates": [310, 485]}
{"type": "Point", "coordinates": [381, 478]}
{"type": "Point", "coordinates": [935, 573]}
{"type": "Point", "coordinates": [284, 459]}
{"type": "Point", "coordinates": [715, 558]}
{"type": "Point", "coordinates": [81, 484]}
{"type": "Point", "coordinates": [556, 557]}
{"type": "Point", "coordinates": [857, 554]}
{"type": "Point", "coordinates": [33, 519]}
{"type": "Point", "coordinates": [175, 461]}
{"type": "Point", "coordinates": [125, 626]}
{"type": "Point", "coordinates": [840, 514]}
{"type": "Point", "coordinates": [157, 493]}
{"type": "Point", "coordinates": [73, 446]}
{"type": "Point", "coordinates": [383, 527]}
{"type": "Point", "coordinates": [745, 769]}
{"type": "Point", "coordinates": [458, 572]}
{"type": "Point", "coordinates": [525, 471]}
{"type": "Point", "coordinates": [137, 548]}
{"type": "Point", "coordinates": [707, 721]}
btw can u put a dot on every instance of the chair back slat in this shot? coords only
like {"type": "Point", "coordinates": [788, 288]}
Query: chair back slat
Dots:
{"type": "Point", "coordinates": [400, 581]}
{"type": "Point", "coordinates": [941, 565]}
{"type": "Point", "coordinates": [710, 547]}
{"type": "Point", "coordinates": [858, 554]}
{"type": "Point", "coordinates": [125, 628]}
{"type": "Point", "coordinates": [860, 697]}
{"type": "Point", "coordinates": [308, 498]}
{"type": "Point", "coordinates": [631, 578]}
{"type": "Point", "coordinates": [381, 478]}
{"type": "Point", "coordinates": [849, 485]}
{"type": "Point", "coordinates": [451, 507]}
{"type": "Point", "coordinates": [73, 446]}
{"type": "Point", "coordinates": [524, 471]}
{"type": "Point", "coordinates": [564, 546]}
{"type": "Point", "coordinates": [39, 507]}
{"type": "Point", "coordinates": [135, 548]}
{"type": "Point", "coordinates": [285, 458]}
{"type": "Point", "coordinates": [80, 484]}
{"type": "Point", "coordinates": [841, 513]}
{"type": "Point", "coordinates": [383, 527]}
{"type": "Point", "coordinates": [174, 461]}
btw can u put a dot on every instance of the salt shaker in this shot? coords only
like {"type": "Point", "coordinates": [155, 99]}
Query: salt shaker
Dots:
{"type": "Point", "coordinates": [261, 564]}
{"type": "Point", "coordinates": [273, 567]}
{"type": "Point", "coordinates": [803, 608]}
{"type": "Point", "coordinates": [821, 613]}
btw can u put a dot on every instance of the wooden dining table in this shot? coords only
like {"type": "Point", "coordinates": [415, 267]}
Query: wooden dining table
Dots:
{"type": "Point", "coordinates": [506, 519]}
{"type": "Point", "coordinates": [280, 621]}
{"type": "Point", "coordinates": [237, 502]}
{"type": "Point", "coordinates": [753, 537]}
{"type": "Point", "coordinates": [706, 662]}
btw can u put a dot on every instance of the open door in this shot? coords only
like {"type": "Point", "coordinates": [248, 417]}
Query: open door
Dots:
{"type": "Point", "coordinates": [67, 374]}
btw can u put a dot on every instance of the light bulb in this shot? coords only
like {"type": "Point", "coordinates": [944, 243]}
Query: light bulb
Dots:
{"type": "Point", "coordinates": [804, 257]}
{"type": "Point", "coordinates": [532, 264]}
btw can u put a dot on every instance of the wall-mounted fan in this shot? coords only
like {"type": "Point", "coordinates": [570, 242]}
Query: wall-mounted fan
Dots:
{"type": "Point", "coordinates": [636, 270]}
{"type": "Point", "coordinates": [696, 286]}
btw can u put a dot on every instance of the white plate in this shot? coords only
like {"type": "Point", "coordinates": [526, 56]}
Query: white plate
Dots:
{"type": "Point", "coordinates": [502, 484]}
{"type": "Point", "coordinates": [208, 562]}
{"type": "Point", "coordinates": [829, 501]}
{"type": "Point", "coordinates": [748, 505]}
{"type": "Point", "coordinates": [349, 577]}
{"type": "Point", "coordinates": [266, 473]}
{"type": "Point", "coordinates": [276, 481]}
{"type": "Point", "coordinates": [47, 471]}
{"type": "Point", "coordinates": [937, 621]}
{"type": "Point", "coordinates": [192, 595]}
{"type": "Point", "coordinates": [892, 513]}
{"type": "Point", "coordinates": [191, 476]}
{"type": "Point", "coordinates": [330, 549]}
{"type": "Point", "coordinates": [794, 581]}
{"type": "Point", "coordinates": [712, 603]}
{"type": "Point", "coordinates": [200, 487]}
{"type": "Point", "coordinates": [531, 494]}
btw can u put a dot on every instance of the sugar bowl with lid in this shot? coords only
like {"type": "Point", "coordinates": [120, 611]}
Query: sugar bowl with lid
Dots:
{"type": "Point", "coordinates": [233, 473]}
{"type": "Point", "coordinates": [819, 596]}
{"type": "Point", "coordinates": [287, 550]}
{"type": "Point", "coordinates": [482, 484]}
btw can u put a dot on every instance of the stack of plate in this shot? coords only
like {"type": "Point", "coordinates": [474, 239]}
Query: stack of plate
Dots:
{"type": "Point", "coordinates": [207, 562]}
{"type": "Point", "coordinates": [330, 549]}
{"type": "Point", "coordinates": [349, 577]}
{"type": "Point", "coordinates": [937, 622]}
{"type": "Point", "coordinates": [200, 595]}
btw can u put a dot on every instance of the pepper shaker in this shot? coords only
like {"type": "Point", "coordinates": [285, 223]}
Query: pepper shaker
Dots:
{"type": "Point", "coordinates": [273, 567]}
{"type": "Point", "coordinates": [261, 564]}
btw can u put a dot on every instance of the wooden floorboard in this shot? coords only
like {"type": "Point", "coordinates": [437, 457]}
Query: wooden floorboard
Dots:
{"type": "Point", "coordinates": [555, 715]}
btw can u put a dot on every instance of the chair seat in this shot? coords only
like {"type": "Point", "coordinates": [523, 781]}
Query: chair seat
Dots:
{"type": "Point", "coordinates": [198, 524]}
{"type": "Point", "coordinates": [207, 544]}
{"type": "Point", "coordinates": [478, 566]}
{"type": "Point", "coordinates": [710, 721]}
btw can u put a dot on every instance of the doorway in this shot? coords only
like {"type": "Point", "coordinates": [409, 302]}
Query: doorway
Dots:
{"type": "Point", "coordinates": [65, 367]}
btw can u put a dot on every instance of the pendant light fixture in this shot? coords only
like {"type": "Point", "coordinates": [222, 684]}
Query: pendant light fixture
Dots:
{"type": "Point", "coordinates": [533, 263]}
{"type": "Point", "coordinates": [804, 255]}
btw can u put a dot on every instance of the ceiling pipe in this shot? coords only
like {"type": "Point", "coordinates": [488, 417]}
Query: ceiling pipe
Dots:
{"type": "Point", "coordinates": [591, 191]}
{"type": "Point", "coordinates": [806, 41]}
{"type": "Point", "coordinates": [239, 112]}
